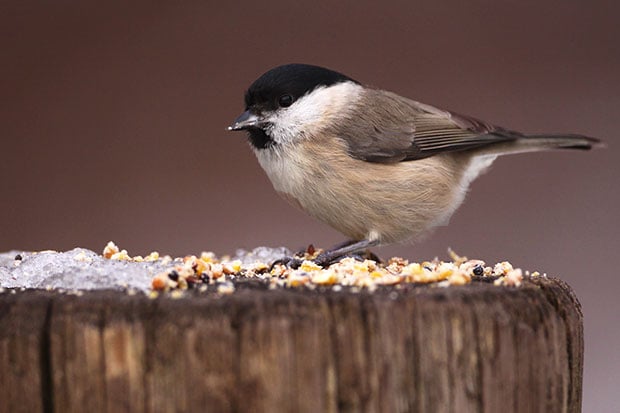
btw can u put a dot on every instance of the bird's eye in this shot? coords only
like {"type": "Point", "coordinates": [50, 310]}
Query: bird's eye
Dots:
{"type": "Point", "coordinates": [285, 101]}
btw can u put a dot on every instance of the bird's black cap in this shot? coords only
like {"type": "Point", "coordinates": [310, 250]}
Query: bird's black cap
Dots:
{"type": "Point", "coordinates": [294, 79]}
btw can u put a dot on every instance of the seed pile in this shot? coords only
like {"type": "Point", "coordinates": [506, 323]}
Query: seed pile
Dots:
{"type": "Point", "coordinates": [207, 271]}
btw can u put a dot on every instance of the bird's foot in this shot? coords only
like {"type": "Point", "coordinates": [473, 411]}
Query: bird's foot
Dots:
{"type": "Point", "coordinates": [322, 260]}
{"type": "Point", "coordinates": [326, 258]}
{"type": "Point", "coordinates": [290, 262]}
{"type": "Point", "coordinates": [297, 259]}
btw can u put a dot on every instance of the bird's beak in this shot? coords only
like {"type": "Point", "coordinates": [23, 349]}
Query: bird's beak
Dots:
{"type": "Point", "coordinates": [246, 120]}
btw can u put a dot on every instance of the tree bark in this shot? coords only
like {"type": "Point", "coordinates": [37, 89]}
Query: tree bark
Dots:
{"type": "Point", "coordinates": [473, 348]}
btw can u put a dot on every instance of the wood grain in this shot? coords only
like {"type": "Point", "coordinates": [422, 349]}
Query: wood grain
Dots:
{"type": "Point", "coordinates": [475, 348]}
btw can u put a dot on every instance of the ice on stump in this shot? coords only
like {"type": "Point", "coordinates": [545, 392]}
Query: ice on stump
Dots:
{"type": "Point", "coordinates": [83, 269]}
{"type": "Point", "coordinates": [78, 268]}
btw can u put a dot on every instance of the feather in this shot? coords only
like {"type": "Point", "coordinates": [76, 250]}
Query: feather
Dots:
{"type": "Point", "coordinates": [406, 130]}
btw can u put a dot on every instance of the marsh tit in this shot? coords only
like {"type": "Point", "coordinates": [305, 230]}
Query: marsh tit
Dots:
{"type": "Point", "coordinates": [376, 166]}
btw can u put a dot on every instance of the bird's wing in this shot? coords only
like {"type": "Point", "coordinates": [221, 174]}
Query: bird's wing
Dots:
{"type": "Point", "coordinates": [406, 130]}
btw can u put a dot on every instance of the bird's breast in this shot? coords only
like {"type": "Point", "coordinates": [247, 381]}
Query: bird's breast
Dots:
{"type": "Point", "coordinates": [395, 201]}
{"type": "Point", "coordinates": [285, 169]}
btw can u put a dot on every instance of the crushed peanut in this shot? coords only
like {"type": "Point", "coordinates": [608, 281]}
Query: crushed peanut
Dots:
{"type": "Point", "coordinates": [112, 252]}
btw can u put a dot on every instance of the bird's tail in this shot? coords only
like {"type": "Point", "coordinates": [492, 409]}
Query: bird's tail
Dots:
{"type": "Point", "coordinates": [535, 143]}
{"type": "Point", "coordinates": [560, 141]}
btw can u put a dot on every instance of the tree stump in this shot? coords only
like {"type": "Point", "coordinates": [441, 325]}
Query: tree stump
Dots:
{"type": "Point", "coordinates": [472, 348]}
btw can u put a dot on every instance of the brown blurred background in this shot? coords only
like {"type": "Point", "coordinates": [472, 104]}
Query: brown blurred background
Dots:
{"type": "Point", "coordinates": [113, 124]}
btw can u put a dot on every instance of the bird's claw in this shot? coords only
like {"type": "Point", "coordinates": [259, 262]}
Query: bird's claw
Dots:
{"type": "Point", "coordinates": [295, 262]}
{"type": "Point", "coordinates": [326, 259]}
{"type": "Point", "coordinates": [290, 262]}
{"type": "Point", "coordinates": [322, 260]}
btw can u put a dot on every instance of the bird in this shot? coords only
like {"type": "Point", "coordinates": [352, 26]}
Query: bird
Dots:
{"type": "Point", "coordinates": [378, 167]}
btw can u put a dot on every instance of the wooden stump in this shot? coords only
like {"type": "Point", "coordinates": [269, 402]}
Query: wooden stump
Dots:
{"type": "Point", "coordinates": [475, 348]}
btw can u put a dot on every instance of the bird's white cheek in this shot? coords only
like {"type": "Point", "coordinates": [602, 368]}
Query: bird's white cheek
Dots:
{"type": "Point", "coordinates": [302, 119]}
{"type": "Point", "coordinates": [310, 114]}
{"type": "Point", "coordinates": [285, 127]}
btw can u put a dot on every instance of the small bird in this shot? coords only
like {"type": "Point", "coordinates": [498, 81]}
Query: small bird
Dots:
{"type": "Point", "coordinates": [378, 167]}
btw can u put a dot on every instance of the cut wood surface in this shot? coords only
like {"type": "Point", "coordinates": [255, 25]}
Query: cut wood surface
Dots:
{"type": "Point", "coordinates": [472, 348]}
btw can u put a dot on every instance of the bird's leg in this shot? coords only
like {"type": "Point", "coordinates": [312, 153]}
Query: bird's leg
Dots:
{"type": "Point", "coordinates": [340, 250]}
{"type": "Point", "coordinates": [343, 244]}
